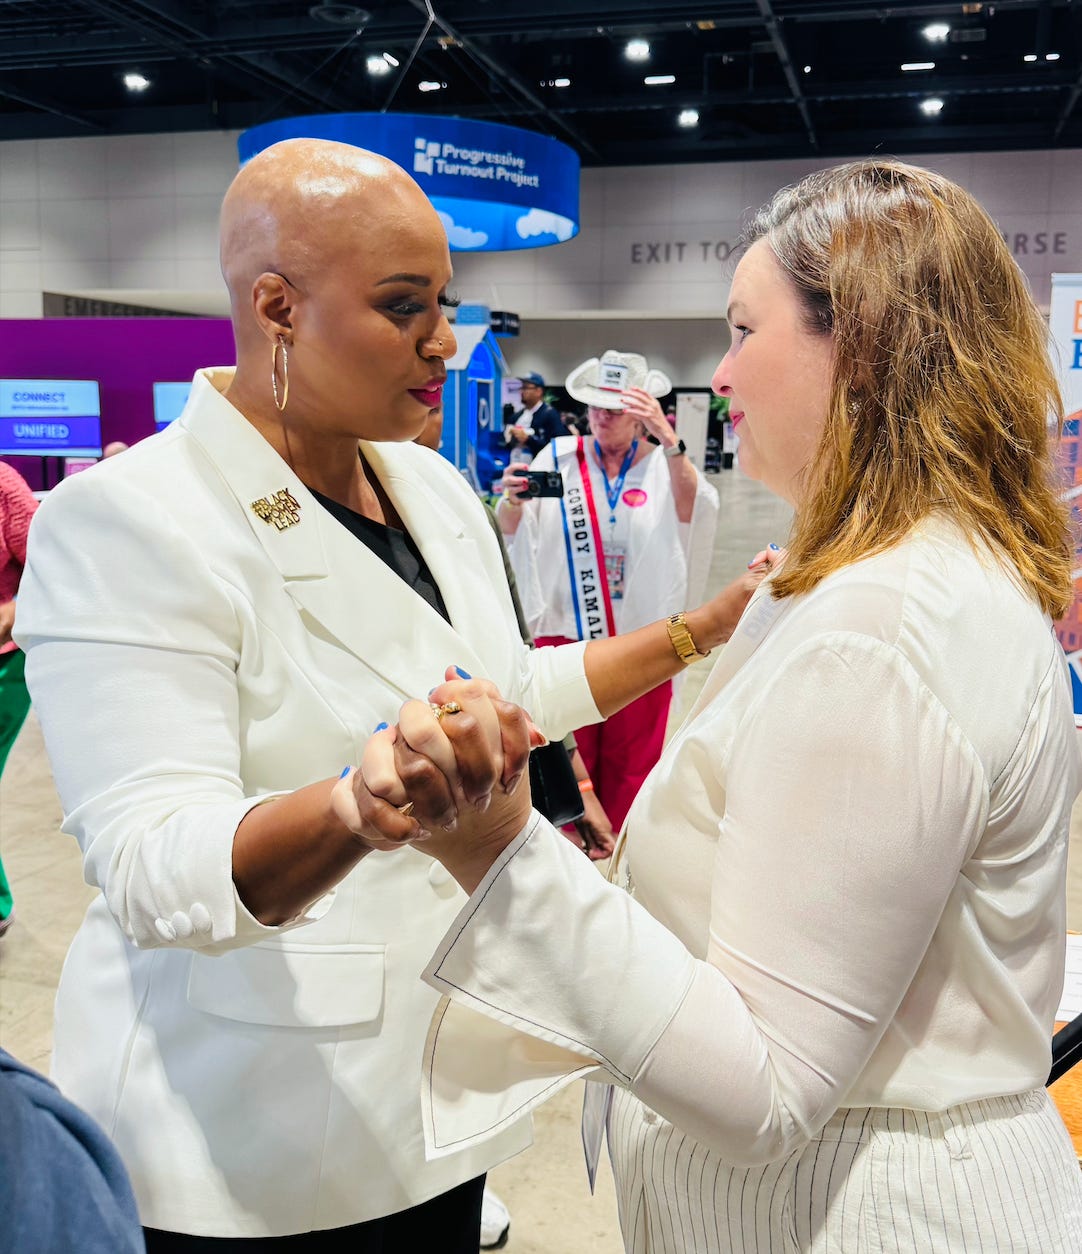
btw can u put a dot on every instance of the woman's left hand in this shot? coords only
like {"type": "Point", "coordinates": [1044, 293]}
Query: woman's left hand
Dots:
{"type": "Point", "coordinates": [465, 774]}
{"type": "Point", "coordinates": [641, 405]}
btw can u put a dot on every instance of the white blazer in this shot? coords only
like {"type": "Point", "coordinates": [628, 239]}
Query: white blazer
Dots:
{"type": "Point", "coordinates": [189, 659]}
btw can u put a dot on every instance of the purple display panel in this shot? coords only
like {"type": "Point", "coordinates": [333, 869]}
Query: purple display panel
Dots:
{"type": "Point", "coordinates": [127, 356]}
{"type": "Point", "coordinates": [39, 437]}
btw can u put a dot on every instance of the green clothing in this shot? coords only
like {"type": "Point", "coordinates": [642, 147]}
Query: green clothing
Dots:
{"type": "Point", "coordinates": [14, 703]}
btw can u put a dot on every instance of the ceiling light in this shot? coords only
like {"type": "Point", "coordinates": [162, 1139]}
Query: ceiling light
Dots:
{"type": "Point", "coordinates": [688, 117]}
{"type": "Point", "coordinates": [340, 14]}
{"type": "Point", "coordinates": [427, 84]}
{"type": "Point", "coordinates": [390, 60]}
{"type": "Point", "coordinates": [1051, 56]}
{"type": "Point", "coordinates": [659, 80]}
{"type": "Point", "coordinates": [918, 65]}
{"type": "Point", "coordinates": [931, 106]}
{"type": "Point", "coordinates": [936, 32]}
{"type": "Point", "coordinates": [1030, 56]}
{"type": "Point", "coordinates": [807, 69]}
{"type": "Point", "coordinates": [378, 66]}
{"type": "Point", "coordinates": [637, 50]}
{"type": "Point", "coordinates": [561, 82]}
{"type": "Point", "coordinates": [136, 82]}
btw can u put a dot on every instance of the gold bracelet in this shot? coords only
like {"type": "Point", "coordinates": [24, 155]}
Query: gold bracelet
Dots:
{"type": "Point", "coordinates": [683, 642]}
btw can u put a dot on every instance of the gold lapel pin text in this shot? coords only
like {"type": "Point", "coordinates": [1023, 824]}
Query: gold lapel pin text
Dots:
{"type": "Point", "coordinates": [283, 509]}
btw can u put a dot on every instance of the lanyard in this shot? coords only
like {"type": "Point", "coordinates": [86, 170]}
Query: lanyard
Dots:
{"type": "Point", "coordinates": [612, 494]}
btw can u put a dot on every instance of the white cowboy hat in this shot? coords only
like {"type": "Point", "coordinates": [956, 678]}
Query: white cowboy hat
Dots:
{"type": "Point", "coordinates": [601, 380]}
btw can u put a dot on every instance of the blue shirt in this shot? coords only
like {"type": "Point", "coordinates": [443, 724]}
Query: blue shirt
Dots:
{"type": "Point", "coordinates": [62, 1184]}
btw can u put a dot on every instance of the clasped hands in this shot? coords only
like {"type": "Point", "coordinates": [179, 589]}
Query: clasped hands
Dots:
{"type": "Point", "coordinates": [465, 773]}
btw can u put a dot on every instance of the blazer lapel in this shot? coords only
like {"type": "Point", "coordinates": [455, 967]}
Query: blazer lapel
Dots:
{"type": "Point", "coordinates": [328, 573]}
{"type": "Point", "coordinates": [442, 536]}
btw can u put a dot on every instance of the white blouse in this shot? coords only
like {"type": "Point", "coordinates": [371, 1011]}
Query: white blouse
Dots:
{"type": "Point", "coordinates": [846, 879]}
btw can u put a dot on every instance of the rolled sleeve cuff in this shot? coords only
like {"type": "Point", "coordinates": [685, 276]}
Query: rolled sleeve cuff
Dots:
{"type": "Point", "coordinates": [177, 890]}
{"type": "Point", "coordinates": [558, 696]}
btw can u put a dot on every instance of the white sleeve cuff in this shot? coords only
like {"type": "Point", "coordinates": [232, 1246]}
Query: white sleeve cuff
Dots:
{"type": "Point", "coordinates": [514, 957]}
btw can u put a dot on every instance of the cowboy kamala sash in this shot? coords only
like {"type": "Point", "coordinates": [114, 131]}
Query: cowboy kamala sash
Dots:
{"type": "Point", "coordinates": [585, 555]}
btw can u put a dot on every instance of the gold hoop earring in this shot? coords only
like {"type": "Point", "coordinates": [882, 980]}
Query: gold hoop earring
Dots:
{"type": "Point", "coordinates": [280, 342]}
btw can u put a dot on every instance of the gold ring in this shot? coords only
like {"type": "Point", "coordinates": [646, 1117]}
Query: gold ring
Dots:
{"type": "Point", "coordinates": [406, 810]}
{"type": "Point", "coordinates": [448, 707]}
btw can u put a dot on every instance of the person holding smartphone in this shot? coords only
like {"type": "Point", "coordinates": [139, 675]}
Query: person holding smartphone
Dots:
{"type": "Point", "coordinates": [631, 534]}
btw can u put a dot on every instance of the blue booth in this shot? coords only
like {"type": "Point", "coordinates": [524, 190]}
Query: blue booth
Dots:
{"type": "Point", "coordinates": [472, 407]}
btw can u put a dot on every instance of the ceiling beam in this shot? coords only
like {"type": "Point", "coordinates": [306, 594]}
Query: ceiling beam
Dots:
{"type": "Point", "coordinates": [791, 144]}
{"type": "Point", "coordinates": [1068, 108]}
{"type": "Point", "coordinates": [1076, 87]}
{"type": "Point", "coordinates": [35, 100]}
{"type": "Point", "coordinates": [778, 96]}
{"type": "Point", "coordinates": [504, 75]}
{"type": "Point", "coordinates": [173, 29]}
{"type": "Point", "coordinates": [884, 12]}
{"type": "Point", "coordinates": [777, 39]}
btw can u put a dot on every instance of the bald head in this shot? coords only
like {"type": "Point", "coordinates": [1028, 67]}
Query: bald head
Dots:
{"type": "Point", "coordinates": [299, 205]}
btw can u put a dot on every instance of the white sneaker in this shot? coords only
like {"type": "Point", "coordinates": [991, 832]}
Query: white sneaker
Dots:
{"type": "Point", "coordinates": [495, 1222]}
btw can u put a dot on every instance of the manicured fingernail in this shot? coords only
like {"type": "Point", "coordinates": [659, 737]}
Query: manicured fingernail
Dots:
{"type": "Point", "coordinates": [450, 827]}
{"type": "Point", "coordinates": [512, 783]}
{"type": "Point", "coordinates": [380, 727]}
{"type": "Point", "coordinates": [773, 546]}
{"type": "Point", "coordinates": [482, 803]}
{"type": "Point", "coordinates": [345, 772]}
{"type": "Point", "coordinates": [462, 674]}
{"type": "Point", "coordinates": [750, 565]}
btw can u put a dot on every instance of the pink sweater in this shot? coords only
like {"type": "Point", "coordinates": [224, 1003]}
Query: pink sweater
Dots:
{"type": "Point", "coordinates": [17, 505]}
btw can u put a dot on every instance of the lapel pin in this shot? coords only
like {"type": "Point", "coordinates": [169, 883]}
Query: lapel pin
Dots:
{"type": "Point", "coordinates": [282, 509]}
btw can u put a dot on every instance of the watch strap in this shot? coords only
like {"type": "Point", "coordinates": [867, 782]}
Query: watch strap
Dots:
{"type": "Point", "coordinates": [683, 642]}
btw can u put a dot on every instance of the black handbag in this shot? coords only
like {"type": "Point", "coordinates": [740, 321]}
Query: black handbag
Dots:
{"type": "Point", "coordinates": [553, 786]}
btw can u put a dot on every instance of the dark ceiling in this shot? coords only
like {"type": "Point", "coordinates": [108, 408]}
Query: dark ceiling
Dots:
{"type": "Point", "coordinates": [769, 78]}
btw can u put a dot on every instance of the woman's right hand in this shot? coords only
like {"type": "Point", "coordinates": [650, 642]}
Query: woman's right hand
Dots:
{"type": "Point", "coordinates": [464, 772]}
{"type": "Point", "coordinates": [511, 482]}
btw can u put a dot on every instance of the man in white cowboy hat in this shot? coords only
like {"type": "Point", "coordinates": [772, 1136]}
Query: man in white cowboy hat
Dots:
{"type": "Point", "coordinates": [629, 541]}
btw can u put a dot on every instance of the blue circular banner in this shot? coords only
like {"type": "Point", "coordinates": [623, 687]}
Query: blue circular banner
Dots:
{"type": "Point", "coordinates": [495, 187]}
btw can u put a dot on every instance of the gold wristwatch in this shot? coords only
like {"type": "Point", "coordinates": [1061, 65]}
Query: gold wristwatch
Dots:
{"type": "Point", "coordinates": [682, 641]}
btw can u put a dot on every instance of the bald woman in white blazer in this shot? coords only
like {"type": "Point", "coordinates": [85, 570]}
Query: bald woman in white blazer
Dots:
{"type": "Point", "coordinates": [215, 624]}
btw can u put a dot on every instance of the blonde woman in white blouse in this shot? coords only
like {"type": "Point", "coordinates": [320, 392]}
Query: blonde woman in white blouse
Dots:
{"type": "Point", "coordinates": [826, 997]}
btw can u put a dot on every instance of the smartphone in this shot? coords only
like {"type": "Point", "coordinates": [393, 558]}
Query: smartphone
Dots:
{"type": "Point", "coordinates": [541, 483]}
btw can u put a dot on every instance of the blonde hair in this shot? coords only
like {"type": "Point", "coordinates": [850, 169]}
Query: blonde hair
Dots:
{"type": "Point", "coordinates": [942, 388]}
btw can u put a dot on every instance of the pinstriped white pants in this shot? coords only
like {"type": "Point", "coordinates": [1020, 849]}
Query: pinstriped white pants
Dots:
{"type": "Point", "coordinates": [984, 1178]}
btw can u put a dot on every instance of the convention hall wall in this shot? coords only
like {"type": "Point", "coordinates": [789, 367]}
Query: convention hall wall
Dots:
{"type": "Point", "coordinates": [138, 214]}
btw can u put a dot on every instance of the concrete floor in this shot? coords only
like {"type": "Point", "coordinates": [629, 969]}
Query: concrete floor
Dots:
{"type": "Point", "coordinates": [545, 1188]}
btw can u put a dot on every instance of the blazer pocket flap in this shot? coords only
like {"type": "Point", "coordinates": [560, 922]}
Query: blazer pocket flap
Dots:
{"type": "Point", "coordinates": [303, 986]}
